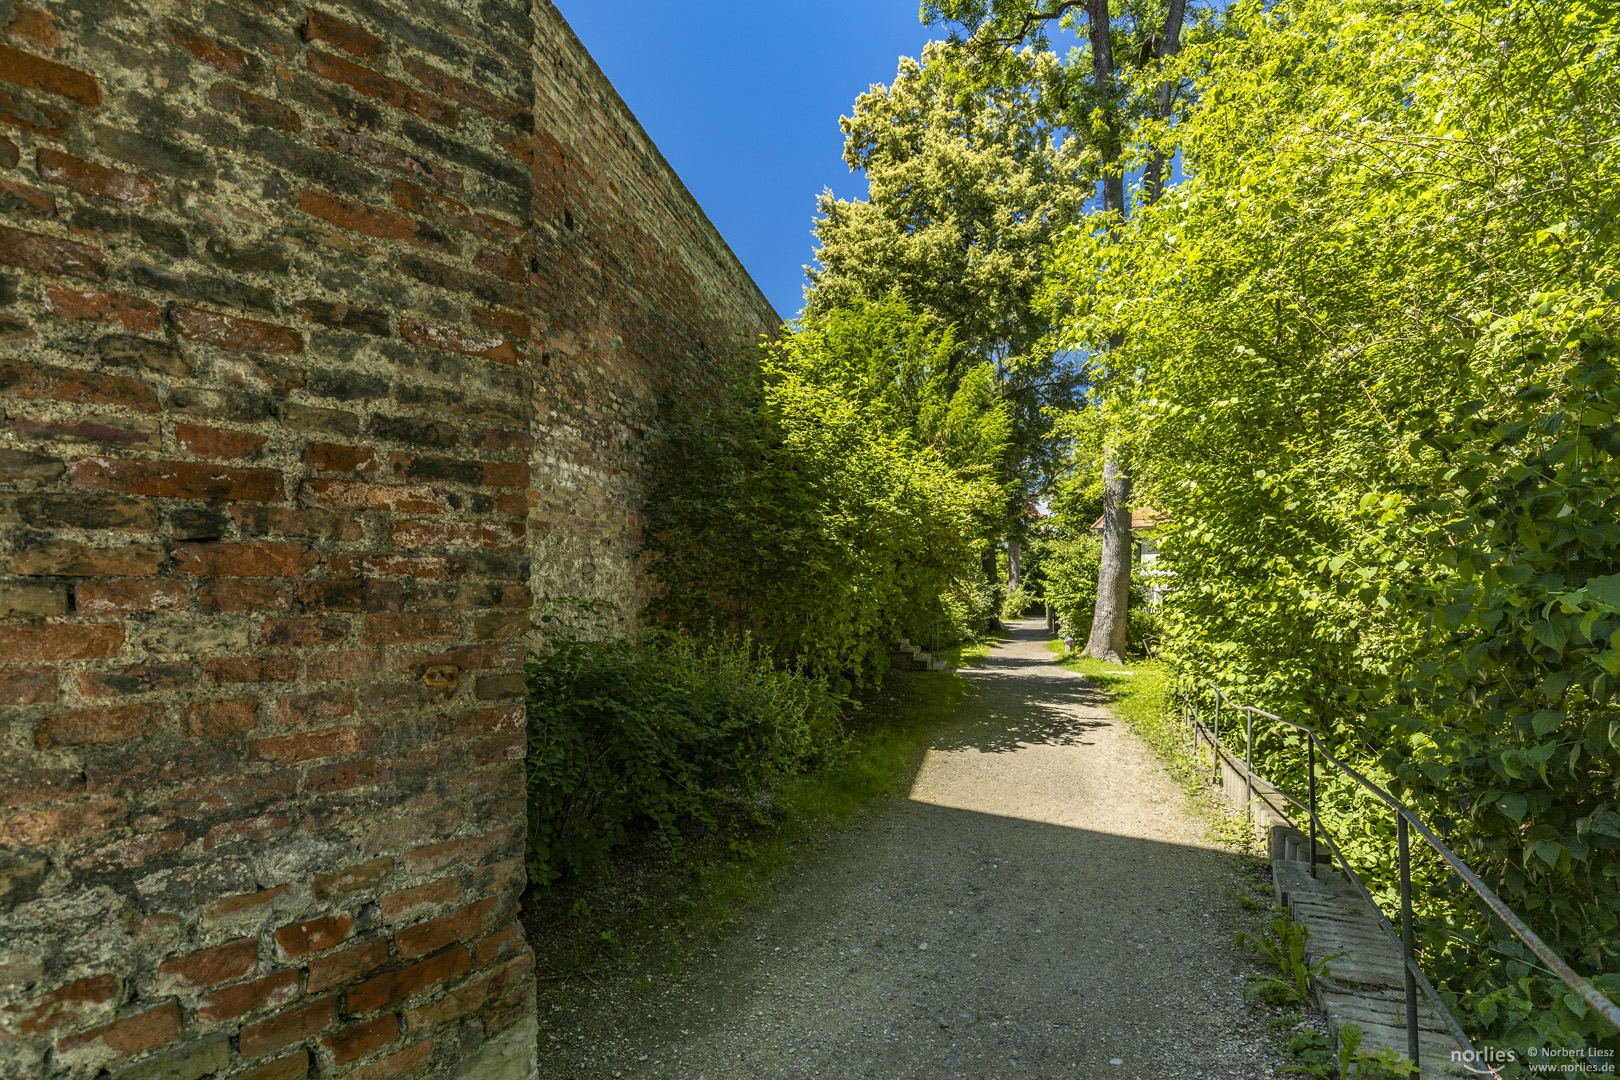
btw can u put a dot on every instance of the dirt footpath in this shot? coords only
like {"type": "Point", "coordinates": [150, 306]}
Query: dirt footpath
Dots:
{"type": "Point", "coordinates": [1044, 905]}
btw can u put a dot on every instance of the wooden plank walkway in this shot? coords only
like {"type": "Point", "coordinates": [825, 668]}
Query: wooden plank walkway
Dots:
{"type": "Point", "coordinates": [1367, 987]}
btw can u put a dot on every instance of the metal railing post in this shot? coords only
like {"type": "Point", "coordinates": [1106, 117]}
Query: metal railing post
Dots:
{"type": "Point", "coordinates": [1248, 763]}
{"type": "Point", "coordinates": [1310, 743]}
{"type": "Point", "coordinates": [1215, 740]}
{"type": "Point", "coordinates": [1407, 938]}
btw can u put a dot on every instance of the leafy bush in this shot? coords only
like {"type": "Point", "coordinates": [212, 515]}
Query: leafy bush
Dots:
{"type": "Point", "coordinates": [832, 500]}
{"type": "Point", "coordinates": [1017, 604]}
{"type": "Point", "coordinates": [642, 738]}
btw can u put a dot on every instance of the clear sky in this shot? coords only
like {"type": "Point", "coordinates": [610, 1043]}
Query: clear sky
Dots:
{"type": "Point", "coordinates": [743, 97]}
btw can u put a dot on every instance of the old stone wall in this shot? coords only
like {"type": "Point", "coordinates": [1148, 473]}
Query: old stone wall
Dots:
{"type": "Point", "coordinates": [325, 341]}
{"type": "Point", "coordinates": [638, 293]}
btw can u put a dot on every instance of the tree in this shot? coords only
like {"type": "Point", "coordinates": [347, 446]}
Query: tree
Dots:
{"type": "Point", "coordinates": [969, 183]}
{"type": "Point", "coordinates": [1101, 109]}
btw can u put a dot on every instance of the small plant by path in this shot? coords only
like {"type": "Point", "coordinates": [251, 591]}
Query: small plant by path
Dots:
{"type": "Point", "coordinates": [1284, 946]}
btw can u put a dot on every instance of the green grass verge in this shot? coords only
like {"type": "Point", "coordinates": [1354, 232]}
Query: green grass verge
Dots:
{"type": "Point", "coordinates": [653, 908]}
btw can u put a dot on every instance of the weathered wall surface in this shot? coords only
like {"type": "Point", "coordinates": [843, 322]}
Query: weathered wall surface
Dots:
{"type": "Point", "coordinates": [298, 361]}
{"type": "Point", "coordinates": [636, 293]}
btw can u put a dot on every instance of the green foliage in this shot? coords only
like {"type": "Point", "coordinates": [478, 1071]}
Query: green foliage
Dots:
{"type": "Point", "coordinates": [1069, 572]}
{"type": "Point", "coordinates": [1018, 603]}
{"type": "Point", "coordinates": [1284, 946]}
{"type": "Point", "coordinates": [1348, 1062]}
{"type": "Point", "coordinates": [969, 180]}
{"type": "Point", "coordinates": [646, 737]}
{"type": "Point", "coordinates": [1364, 369]}
{"type": "Point", "coordinates": [832, 499]}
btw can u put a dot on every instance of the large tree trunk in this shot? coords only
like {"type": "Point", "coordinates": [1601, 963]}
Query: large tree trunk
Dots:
{"type": "Point", "coordinates": [1012, 565]}
{"type": "Point", "coordinates": [1111, 616]}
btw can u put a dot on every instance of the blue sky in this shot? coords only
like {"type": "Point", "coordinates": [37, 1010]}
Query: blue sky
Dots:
{"type": "Point", "coordinates": [743, 97]}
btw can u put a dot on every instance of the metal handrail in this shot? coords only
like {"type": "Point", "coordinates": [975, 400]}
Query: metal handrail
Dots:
{"type": "Point", "coordinates": [1405, 817]}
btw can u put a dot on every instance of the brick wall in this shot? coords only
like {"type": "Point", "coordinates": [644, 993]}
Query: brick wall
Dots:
{"type": "Point", "coordinates": [638, 290]}
{"type": "Point", "coordinates": [323, 345]}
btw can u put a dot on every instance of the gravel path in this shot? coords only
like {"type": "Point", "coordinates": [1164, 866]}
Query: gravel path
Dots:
{"type": "Point", "coordinates": [1044, 905]}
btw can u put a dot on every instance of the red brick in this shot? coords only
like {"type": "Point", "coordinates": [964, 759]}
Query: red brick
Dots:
{"type": "Point", "coordinates": [314, 708]}
{"type": "Point", "coordinates": [44, 383]}
{"type": "Point", "coordinates": [250, 669]}
{"type": "Point", "coordinates": [506, 474]}
{"type": "Point", "coordinates": [387, 156]}
{"type": "Point", "coordinates": [369, 495]}
{"type": "Point", "coordinates": [36, 73]}
{"type": "Point", "coordinates": [457, 1003]}
{"type": "Point", "coordinates": [402, 906]}
{"type": "Point", "coordinates": [447, 86]}
{"type": "Point", "coordinates": [25, 201]}
{"type": "Point", "coordinates": [205, 718]}
{"type": "Point", "coordinates": [140, 679]}
{"type": "Point", "coordinates": [236, 905]}
{"type": "Point", "coordinates": [9, 154]}
{"type": "Point", "coordinates": [396, 1066]}
{"type": "Point", "coordinates": [69, 1004]}
{"type": "Point", "coordinates": [99, 599]}
{"type": "Point", "coordinates": [331, 457]}
{"type": "Point", "coordinates": [131, 1035]}
{"type": "Point", "coordinates": [27, 686]}
{"type": "Point", "coordinates": [61, 822]}
{"type": "Point", "coordinates": [29, 644]}
{"type": "Point", "coordinates": [176, 479]}
{"type": "Point", "coordinates": [508, 939]}
{"type": "Point", "coordinates": [345, 35]}
{"type": "Point", "coordinates": [427, 937]}
{"type": "Point", "coordinates": [244, 559]}
{"type": "Point", "coordinates": [255, 520]}
{"type": "Point", "coordinates": [209, 968]}
{"type": "Point", "coordinates": [473, 534]}
{"type": "Point", "coordinates": [351, 595]}
{"type": "Point", "coordinates": [473, 658]}
{"type": "Point", "coordinates": [217, 443]}
{"type": "Point", "coordinates": [130, 312]}
{"type": "Point", "coordinates": [502, 720]}
{"type": "Point", "coordinates": [361, 1039]}
{"type": "Point", "coordinates": [262, 827]}
{"type": "Point", "coordinates": [236, 594]}
{"type": "Point", "coordinates": [392, 91]}
{"type": "Point", "coordinates": [346, 776]}
{"type": "Point", "coordinates": [352, 564]}
{"type": "Point", "coordinates": [333, 666]}
{"type": "Point", "coordinates": [233, 1001]}
{"type": "Point", "coordinates": [472, 849]}
{"type": "Point", "coordinates": [295, 1025]}
{"type": "Point", "coordinates": [385, 989]}
{"type": "Point", "coordinates": [314, 935]}
{"type": "Point", "coordinates": [457, 340]}
{"type": "Point", "coordinates": [357, 217]}
{"type": "Point", "coordinates": [31, 251]}
{"type": "Point", "coordinates": [234, 332]}
{"type": "Point", "coordinates": [333, 969]}
{"type": "Point", "coordinates": [226, 58]}
{"type": "Point", "coordinates": [506, 264]}
{"type": "Point", "coordinates": [291, 1067]}
{"type": "Point", "coordinates": [32, 24]}
{"type": "Point", "coordinates": [302, 633]}
{"type": "Point", "coordinates": [291, 749]}
{"type": "Point", "coordinates": [117, 430]}
{"type": "Point", "coordinates": [354, 879]}
{"type": "Point", "coordinates": [91, 727]}
{"type": "Point", "coordinates": [89, 178]}
{"type": "Point", "coordinates": [399, 627]}
{"type": "Point", "coordinates": [65, 558]}
{"type": "Point", "coordinates": [228, 98]}
{"type": "Point", "coordinates": [237, 793]}
{"type": "Point", "coordinates": [131, 852]}
{"type": "Point", "coordinates": [504, 322]}
{"type": "Point", "coordinates": [33, 115]}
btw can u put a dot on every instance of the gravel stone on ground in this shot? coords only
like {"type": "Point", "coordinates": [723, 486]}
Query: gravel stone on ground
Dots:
{"type": "Point", "coordinates": [1043, 905]}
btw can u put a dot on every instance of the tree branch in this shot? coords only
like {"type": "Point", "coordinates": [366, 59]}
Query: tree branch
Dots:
{"type": "Point", "coordinates": [1032, 19]}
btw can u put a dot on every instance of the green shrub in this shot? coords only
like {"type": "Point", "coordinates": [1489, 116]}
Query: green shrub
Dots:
{"type": "Point", "coordinates": [1018, 603]}
{"type": "Point", "coordinates": [643, 738]}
